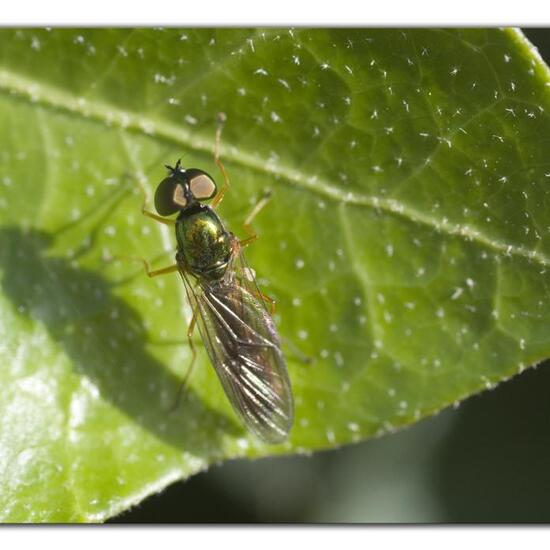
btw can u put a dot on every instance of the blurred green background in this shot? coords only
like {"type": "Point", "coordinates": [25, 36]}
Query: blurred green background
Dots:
{"type": "Point", "coordinates": [485, 461]}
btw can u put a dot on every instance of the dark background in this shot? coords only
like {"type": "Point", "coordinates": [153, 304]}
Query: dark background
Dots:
{"type": "Point", "coordinates": [486, 461]}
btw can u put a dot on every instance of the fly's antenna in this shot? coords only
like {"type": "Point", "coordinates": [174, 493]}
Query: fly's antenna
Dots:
{"type": "Point", "coordinates": [174, 169]}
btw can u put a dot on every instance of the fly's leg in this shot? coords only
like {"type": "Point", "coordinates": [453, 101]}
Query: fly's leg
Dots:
{"type": "Point", "coordinates": [148, 271]}
{"type": "Point", "coordinates": [253, 236]}
{"type": "Point", "coordinates": [148, 213]}
{"type": "Point", "coordinates": [297, 352]}
{"type": "Point", "coordinates": [184, 383]}
{"type": "Point", "coordinates": [156, 272]}
{"type": "Point", "coordinates": [219, 195]}
{"type": "Point", "coordinates": [268, 299]}
{"type": "Point", "coordinates": [163, 271]}
{"type": "Point", "coordinates": [257, 292]}
{"type": "Point", "coordinates": [226, 184]}
{"type": "Point", "coordinates": [160, 219]}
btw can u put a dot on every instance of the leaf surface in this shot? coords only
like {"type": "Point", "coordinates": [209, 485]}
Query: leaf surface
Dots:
{"type": "Point", "coordinates": [407, 241]}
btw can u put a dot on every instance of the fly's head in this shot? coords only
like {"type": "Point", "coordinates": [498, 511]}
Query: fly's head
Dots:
{"type": "Point", "coordinates": [182, 188]}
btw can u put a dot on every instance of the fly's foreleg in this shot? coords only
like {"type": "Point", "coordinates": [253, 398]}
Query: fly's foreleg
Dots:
{"type": "Point", "coordinates": [148, 213]}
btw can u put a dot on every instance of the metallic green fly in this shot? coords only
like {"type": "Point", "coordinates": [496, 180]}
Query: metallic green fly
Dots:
{"type": "Point", "coordinates": [231, 313]}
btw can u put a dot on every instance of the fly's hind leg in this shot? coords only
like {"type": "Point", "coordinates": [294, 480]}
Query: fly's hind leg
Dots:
{"type": "Point", "coordinates": [185, 381]}
{"type": "Point", "coordinates": [253, 236]}
{"type": "Point", "coordinates": [163, 271]}
{"type": "Point", "coordinates": [269, 300]}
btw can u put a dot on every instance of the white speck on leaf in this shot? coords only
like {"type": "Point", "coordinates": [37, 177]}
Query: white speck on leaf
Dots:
{"type": "Point", "coordinates": [457, 293]}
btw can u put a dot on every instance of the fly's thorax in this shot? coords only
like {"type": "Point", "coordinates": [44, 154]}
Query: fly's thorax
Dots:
{"type": "Point", "coordinates": [203, 242]}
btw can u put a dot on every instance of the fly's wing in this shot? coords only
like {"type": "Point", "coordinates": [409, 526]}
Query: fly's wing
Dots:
{"type": "Point", "coordinates": [246, 277]}
{"type": "Point", "coordinates": [244, 348]}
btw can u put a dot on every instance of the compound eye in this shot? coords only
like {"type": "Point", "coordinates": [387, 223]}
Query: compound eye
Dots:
{"type": "Point", "coordinates": [179, 197]}
{"type": "Point", "coordinates": [202, 186]}
{"type": "Point", "coordinates": [169, 196]}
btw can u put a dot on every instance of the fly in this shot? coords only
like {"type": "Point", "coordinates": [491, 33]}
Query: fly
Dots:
{"type": "Point", "coordinates": [231, 313]}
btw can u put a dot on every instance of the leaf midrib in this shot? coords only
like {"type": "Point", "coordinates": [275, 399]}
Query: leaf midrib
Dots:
{"type": "Point", "coordinates": [48, 96]}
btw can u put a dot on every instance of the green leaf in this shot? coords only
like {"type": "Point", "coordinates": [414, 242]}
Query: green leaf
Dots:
{"type": "Point", "coordinates": [407, 242]}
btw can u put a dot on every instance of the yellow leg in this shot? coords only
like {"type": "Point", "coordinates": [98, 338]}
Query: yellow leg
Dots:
{"type": "Point", "coordinates": [163, 271]}
{"type": "Point", "coordinates": [150, 273]}
{"type": "Point", "coordinates": [148, 213]}
{"type": "Point", "coordinates": [269, 300]}
{"type": "Point", "coordinates": [165, 221]}
{"type": "Point", "coordinates": [253, 213]}
{"type": "Point", "coordinates": [219, 195]}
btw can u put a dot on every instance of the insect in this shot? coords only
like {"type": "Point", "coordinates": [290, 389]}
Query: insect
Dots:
{"type": "Point", "coordinates": [231, 313]}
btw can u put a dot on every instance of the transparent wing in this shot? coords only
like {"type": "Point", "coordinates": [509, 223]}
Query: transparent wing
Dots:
{"type": "Point", "coordinates": [244, 348]}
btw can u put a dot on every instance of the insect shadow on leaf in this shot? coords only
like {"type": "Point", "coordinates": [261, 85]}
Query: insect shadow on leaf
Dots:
{"type": "Point", "coordinates": [103, 336]}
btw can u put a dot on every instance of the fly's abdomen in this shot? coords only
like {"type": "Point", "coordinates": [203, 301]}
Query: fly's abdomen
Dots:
{"type": "Point", "coordinates": [203, 242]}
